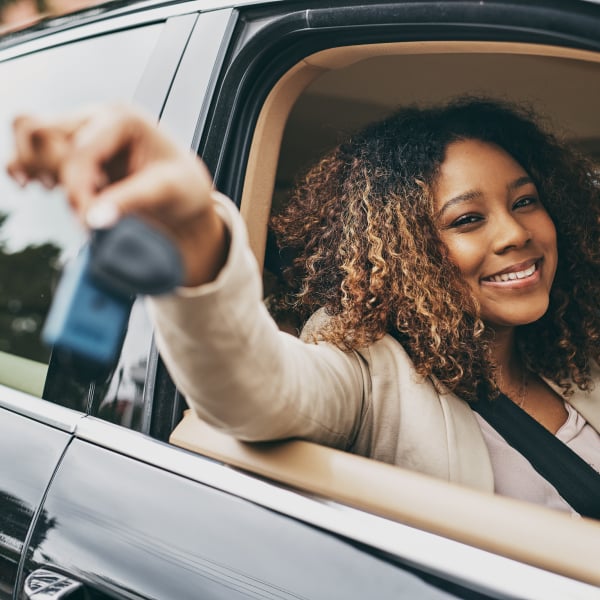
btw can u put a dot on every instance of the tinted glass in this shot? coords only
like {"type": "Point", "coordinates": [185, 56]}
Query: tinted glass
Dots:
{"type": "Point", "coordinates": [37, 232]}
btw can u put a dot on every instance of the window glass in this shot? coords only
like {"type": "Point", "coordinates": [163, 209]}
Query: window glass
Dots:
{"type": "Point", "coordinates": [121, 399]}
{"type": "Point", "coordinates": [37, 232]}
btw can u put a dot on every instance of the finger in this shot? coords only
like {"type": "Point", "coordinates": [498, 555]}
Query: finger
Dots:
{"type": "Point", "coordinates": [15, 170]}
{"type": "Point", "coordinates": [25, 158]}
{"type": "Point", "coordinates": [114, 128]}
{"type": "Point", "coordinates": [40, 148]}
{"type": "Point", "coordinates": [168, 191]}
{"type": "Point", "coordinates": [101, 152]}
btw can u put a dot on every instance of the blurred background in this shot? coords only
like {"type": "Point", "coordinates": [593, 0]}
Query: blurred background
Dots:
{"type": "Point", "coordinates": [18, 14]}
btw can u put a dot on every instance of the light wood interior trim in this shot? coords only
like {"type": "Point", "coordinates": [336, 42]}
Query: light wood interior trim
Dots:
{"type": "Point", "coordinates": [534, 535]}
{"type": "Point", "coordinates": [337, 58]}
{"type": "Point", "coordinates": [264, 152]}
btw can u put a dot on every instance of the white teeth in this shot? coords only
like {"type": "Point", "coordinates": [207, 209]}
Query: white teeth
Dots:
{"type": "Point", "coordinates": [517, 275]}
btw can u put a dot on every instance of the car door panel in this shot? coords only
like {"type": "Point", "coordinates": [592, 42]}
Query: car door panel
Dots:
{"type": "Point", "coordinates": [29, 452]}
{"type": "Point", "coordinates": [116, 524]}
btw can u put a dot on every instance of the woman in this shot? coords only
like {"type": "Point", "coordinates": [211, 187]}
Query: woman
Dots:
{"type": "Point", "coordinates": [447, 254]}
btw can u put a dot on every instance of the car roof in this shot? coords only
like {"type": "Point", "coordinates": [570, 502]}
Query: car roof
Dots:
{"type": "Point", "coordinates": [100, 11]}
{"type": "Point", "coordinates": [114, 8]}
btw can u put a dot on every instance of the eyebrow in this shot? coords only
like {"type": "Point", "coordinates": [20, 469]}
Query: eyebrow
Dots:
{"type": "Point", "coordinates": [517, 183]}
{"type": "Point", "coordinates": [476, 194]}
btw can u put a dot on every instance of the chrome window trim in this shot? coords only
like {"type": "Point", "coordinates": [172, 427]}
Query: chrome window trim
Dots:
{"type": "Point", "coordinates": [202, 5]}
{"type": "Point", "coordinates": [103, 24]}
{"type": "Point", "coordinates": [186, 107]}
{"type": "Point", "coordinates": [40, 410]}
{"type": "Point", "coordinates": [69, 28]}
{"type": "Point", "coordinates": [452, 560]}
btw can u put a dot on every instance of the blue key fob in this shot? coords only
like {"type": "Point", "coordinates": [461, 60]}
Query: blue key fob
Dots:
{"type": "Point", "coordinates": [88, 317]}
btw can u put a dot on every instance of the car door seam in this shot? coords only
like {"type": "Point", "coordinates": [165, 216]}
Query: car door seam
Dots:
{"type": "Point", "coordinates": [35, 518]}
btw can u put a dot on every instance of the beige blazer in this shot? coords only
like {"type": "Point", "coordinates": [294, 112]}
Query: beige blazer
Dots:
{"type": "Point", "coordinates": [244, 376]}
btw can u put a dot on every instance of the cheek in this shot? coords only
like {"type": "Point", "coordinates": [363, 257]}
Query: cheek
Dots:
{"type": "Point", "coordinates": [545, 232]}
{"type": "Point", "coordinates": [551, 234]}
{"type": "Point", "coordinates": [466, 254]}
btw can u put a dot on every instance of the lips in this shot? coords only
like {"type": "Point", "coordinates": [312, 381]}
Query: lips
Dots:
{"type": "Point", "coordinates": [514, 273]}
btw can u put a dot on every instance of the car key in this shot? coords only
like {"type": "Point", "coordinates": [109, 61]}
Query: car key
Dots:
{"type": "Point", "coordinates": [88, 318]}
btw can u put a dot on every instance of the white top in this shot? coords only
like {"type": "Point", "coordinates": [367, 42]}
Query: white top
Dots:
{"type": "Point", "coordinates": [515, 477]}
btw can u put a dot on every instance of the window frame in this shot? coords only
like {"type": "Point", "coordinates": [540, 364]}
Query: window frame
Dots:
{"type": "Point", "coordinates": [260, 56]}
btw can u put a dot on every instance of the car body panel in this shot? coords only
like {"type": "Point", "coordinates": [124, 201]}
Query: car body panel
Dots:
{"type": "Point", "coordinates": [132, 517]}
{"type": "Point", "coordinates": [165, 536]}
{"type": "Point", "coordinates": [29, 453]}
{"type": "Point", "coordinates": [400, 543]}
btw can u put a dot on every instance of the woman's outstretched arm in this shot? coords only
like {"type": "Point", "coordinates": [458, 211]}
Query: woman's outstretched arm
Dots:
{"type": "Point", "coordinates": [113, 161]}
{"type": "Point", "coordinates": [239, 372]}
{"type": "Point", "coordinates": [222, 348]}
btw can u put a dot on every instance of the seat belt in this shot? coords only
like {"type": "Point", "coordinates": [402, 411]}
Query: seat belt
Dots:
{"type": "Point", "coordinates": [574, 479]}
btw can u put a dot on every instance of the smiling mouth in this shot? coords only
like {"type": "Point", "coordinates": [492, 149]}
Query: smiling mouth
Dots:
{"type": "Point", "coordinates": [513, 276]}
{"type": "Point", "coordinates": [516, 275]}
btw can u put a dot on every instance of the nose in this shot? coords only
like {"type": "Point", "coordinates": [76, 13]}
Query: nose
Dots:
{"type": "Point", "coordinates": [510, 233]}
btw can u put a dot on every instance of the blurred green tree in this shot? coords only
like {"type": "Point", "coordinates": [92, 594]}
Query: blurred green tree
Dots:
{"type": "Point", "coordinates": [27, 281]}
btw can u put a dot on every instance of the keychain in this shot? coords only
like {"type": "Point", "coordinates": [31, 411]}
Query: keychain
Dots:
{"type": "Point", "coordinates": [88, 318]}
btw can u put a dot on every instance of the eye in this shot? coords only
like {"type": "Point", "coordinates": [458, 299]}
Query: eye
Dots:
{"type": "Point", "coordinates": [465, 220]}
{"type": "Point", "coordinates": [526, 201]}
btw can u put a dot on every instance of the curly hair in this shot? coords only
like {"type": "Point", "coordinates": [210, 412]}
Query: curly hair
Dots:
{"type": "Point", "coordinates": [361, 228]}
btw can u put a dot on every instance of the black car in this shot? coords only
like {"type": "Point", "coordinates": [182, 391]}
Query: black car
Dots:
{"type": "Point", "coordinates": [112, 490]}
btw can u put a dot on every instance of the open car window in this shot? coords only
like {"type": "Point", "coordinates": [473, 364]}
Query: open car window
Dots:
{"type": "Point", "coordinates": [337, 91]}
{"type": "Point", "coordinates": [313, 105]}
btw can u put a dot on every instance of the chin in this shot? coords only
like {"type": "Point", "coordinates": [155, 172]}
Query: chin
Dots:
{"type": "Point", "coordinates": [515, 318]}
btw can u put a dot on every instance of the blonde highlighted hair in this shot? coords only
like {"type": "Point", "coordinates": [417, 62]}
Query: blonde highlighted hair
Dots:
{"type": "Point", "coordinates": [366, 248]}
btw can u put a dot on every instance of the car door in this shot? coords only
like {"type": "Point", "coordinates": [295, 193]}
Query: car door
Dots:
{"type": "Point", "coordinates": [127, 515]}
{"type": "Point", "coordinates": [50, 73]}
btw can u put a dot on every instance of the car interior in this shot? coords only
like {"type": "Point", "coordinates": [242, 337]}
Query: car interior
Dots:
{"type": "Point", "coordinates": [311, 108]}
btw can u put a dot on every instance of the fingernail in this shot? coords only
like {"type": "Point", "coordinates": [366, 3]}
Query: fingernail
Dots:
{"type": "Point", "coordinates": [102, 215]}
{"type": "Point", "coordinates": [47, 181]}
{"type": "Point", "coordinates": [20, 177]}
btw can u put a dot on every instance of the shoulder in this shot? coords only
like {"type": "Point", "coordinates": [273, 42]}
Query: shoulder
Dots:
{"type": "Point", "coordinates": [386, 350]}
{"type": "Point", "coordinates": [315, 324]}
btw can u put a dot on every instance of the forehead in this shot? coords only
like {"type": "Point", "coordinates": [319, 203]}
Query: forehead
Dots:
{"type": "Point", "coordinates": [476, 155]}
{"type": "Point", "coordinates": [474, 165]}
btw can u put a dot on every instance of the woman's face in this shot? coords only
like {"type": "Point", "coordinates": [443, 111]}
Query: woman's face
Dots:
{"type": "Point", "coordinates": [500, 236]}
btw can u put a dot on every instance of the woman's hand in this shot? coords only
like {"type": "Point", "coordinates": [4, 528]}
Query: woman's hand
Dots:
{"type": "Point", "coordinates": [112, 162]}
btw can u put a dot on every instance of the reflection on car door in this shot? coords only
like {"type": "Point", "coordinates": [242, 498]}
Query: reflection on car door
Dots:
{"type": "Point", "coordinates": [30, 449]}
{"type": "Point", "coordinates": [122, 515]}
